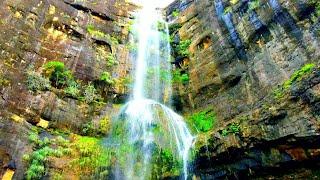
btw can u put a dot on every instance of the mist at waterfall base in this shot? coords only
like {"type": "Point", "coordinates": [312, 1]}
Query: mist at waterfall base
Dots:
{"type": "Point", "coordinates": [151, 141]}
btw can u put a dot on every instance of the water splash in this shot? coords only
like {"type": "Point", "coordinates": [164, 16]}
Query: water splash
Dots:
{"type": "Point", "coordinates": [147, 127]}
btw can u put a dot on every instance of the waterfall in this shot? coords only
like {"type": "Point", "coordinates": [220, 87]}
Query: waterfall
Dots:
{"type": "Point", "coordinates": [146, 127]}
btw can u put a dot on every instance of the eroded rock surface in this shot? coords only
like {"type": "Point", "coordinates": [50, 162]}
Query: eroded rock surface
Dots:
{"type": "Point", "coordinates": [80, 34]}
{"type": "Point", "coordinates": [240, 53]}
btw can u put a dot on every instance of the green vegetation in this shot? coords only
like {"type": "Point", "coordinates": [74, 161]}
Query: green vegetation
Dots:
{"type": "Point", "coordinates": [94, 32]}
{"type": "Point", "coordinates": [254, 4]}
{"type": "Point", "coordinates": [316, 4]}
{"type": "Point", "coordinates": [89, 155]}
{"type": "Point", "coordinates": [295, 77]}
{"type": "Point", "coordinates": [233, 2]}
{"type": "Point", "coordinates": [175, 13]}
{"type": "Point", "coordinates": [111, 60]}
{"type": "Point", "coordinates": [90, 94]}
{"type": "Point", "coordinates": [43, 149]}
{"type": "Point", "coordinates": [35, 81]}
{"type": "Point", "coordinates": [101, 128]}
{"type": "Point", "coordinates": [104, 125]}
{"type": "Point", "coordinates": [91, 29]}
{"type": "Point", "coordinates": [180, 77]}
{"type": "Point", "coordinates": [174, 27]}
{"type": "Point", "coordinates": [227, 10]}
{"type": "Point", "coordinates": [166, 164]}
{"type": "Point", "coordinates": [132, 46]}
{"type": "Point", "coordinates": [161, 26]}
{"type": "Point", "coordinates": [234, 128]}
{"type": "Point", "coordinates": [102, 54]}
{"type": "Point", "coordinates": [57, 73]}
{"type": "Point", "coordinates": [106, 78]}
{"type": "Point", "coordinates": [203, 121]}
{"type": "Point", "coordinates": [73, 89]}
{"type": "Point", "coordinates": [183, 48]}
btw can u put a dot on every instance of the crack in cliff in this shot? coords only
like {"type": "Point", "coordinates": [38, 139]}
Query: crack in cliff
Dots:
{"type": "Point", "coordinates": [80, 7]}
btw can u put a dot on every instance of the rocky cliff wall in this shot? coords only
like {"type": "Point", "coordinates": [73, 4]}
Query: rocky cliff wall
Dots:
{"type": "Point", "coordinates": [244, 61]}
{"type": "Point", "coordinates": [82, 35]}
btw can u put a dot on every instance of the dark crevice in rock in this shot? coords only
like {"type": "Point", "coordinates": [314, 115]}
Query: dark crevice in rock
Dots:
{"type": "Point", "coordinates": [257, 161]}
{"type": "Point", "coordinates": [304, 10]}
{"type": "Point", "coordinates": [103, 43]}
{"type": "Point", "coordinates": [89, 10]}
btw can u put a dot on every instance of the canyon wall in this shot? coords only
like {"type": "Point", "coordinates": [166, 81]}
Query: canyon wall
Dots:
{"type": "Point", "coordinates": [80, 34]}
{"type": "Point", "coordinates": [250, 63]}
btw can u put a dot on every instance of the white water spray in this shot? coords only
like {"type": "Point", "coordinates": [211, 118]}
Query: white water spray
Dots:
{"type": "Point", "coordinates": [149, 125]}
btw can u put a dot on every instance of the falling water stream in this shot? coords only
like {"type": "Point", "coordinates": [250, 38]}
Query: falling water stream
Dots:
{"type": "Point", "coordinates": [146, 126]}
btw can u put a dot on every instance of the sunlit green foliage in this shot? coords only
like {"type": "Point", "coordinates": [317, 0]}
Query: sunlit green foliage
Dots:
{"type": "Point", "coordinates": [106, 77]}
{"type": "Point", "coordinates": [57, 73]}
{"type": "Point", "coordinates": [73, 89]}
{"type": "Point", "coordinates": [233, 2]}
{"type": "Point", "coordinates": [227, 10]}
{"type": "Point", "coordinates": [97, 129]}
{"type": "Point", "coordinates": [234, 128]}
{"type": "Point", "coordinates": [93, 31]}
{"type": "Point", "coordinates": [102, 54]}
{"type": "Point", "coordinates": [254, 4]}
{"type": "Point", "coordinates": [38, 159]}
{"type": "Point", "coordinates": [176, 13]}
{"type": "Point", "coordinates": [132, 46]}
{"type": "Point", "coordinates": [104, 125]}
{"type": "Point", "coordinates": [316, 4]}
{"type": "Point", "coordinates": [111, 59]}
{"type": "Point", "coordinates": [90, 154]}
{"type": "Point", "coordinates": [203, 121]}
{"type": "Point", "coordinates": [183, 48]}
{"type": "Point", "coordinates": [180, 77]}
{"type": "Point", "coordinates": [295, 77]}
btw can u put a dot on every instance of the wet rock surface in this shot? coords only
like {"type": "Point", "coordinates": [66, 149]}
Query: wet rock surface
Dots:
{"type": "Point", "coordinates": [239, 81]}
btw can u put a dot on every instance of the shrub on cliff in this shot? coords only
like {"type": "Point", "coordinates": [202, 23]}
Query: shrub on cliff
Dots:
{"type": "Point", "coordinates": [73, 89]}
{"type": "Point", "coordinates": [90, 94]}
{"type": "Point", "coordinates": [295, 77]}
{"type": "Point", "coordinates": [183, 48]}
{"type": "Point", "coordinates": [203, 121]}
{"type": "Point", "coordinates": [106, 78]}
{"type": "Point", "coordinates": [180, 77]}
{"type": "Point", "coordinates": [35, 81]}
{"type": "Point", "coordinates": [57, 73]}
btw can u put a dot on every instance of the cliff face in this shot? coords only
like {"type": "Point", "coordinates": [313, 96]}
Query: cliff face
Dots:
{"type": "Point", "coordinates": [80, 34]}
{"type": "Point", "coordinates": [253, 64]}
{"type": "Point", "coordinates": [250, 63]}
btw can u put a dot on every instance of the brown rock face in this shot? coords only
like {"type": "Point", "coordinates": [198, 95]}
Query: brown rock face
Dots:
{"type": "Point", "coordinates": [80, 34]}
{"type": "Point", "coordinates": [240, 53]}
